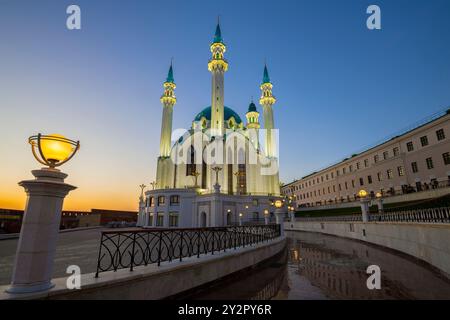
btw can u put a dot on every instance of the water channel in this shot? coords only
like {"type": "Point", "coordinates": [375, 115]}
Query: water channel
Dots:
{"type": "Point", "coordinates": [316, 266]}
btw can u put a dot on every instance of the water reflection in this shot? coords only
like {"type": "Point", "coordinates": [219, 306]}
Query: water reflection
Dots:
{"type": "Point", "coordinates": [316, 266]}
{"type": "Point", "coordinates": [335, 268]}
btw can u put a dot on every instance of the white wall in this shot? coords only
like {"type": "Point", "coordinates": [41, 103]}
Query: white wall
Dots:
{"type": "Point", "coordinates": [427, 242]}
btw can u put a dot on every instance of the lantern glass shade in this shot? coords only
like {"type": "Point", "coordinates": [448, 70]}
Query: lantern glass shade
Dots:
{"type": "Point", "coordinates": [53, 150]}
{"type": "Point", "coordinates": [378, 195]}
{"type": "Point", "coordinates": [362, 193]}
{"type": "Point", "coordinates": [278, 204]}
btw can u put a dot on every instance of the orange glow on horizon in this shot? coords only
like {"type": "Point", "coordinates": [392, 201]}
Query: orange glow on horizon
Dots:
{"type": "Point", "coordinates": [77, 200]}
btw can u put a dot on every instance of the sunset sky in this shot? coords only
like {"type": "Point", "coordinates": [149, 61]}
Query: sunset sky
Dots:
{"type": "Point", "coordinates": [340, 87]}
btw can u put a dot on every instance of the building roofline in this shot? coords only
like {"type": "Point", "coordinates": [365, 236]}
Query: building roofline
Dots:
{"type": "Point", "coordinates": [421, 123]}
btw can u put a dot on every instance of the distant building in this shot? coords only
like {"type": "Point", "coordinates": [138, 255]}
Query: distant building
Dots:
{"type": "Point", "coordinates": [415, 161]}
{"type": "Point", "coordinates": [101, 217]}
{"type": "Point", "coordinates": [11, 220]}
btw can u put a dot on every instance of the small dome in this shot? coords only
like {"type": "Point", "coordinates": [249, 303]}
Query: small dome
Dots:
{"type": "Point", "coordinates": [228, 113]}
{"type": "Point", "coordinates": [252, 107]}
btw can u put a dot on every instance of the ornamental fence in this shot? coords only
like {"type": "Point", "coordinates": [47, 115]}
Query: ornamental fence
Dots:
{"type": "Point", "coordinates": [131, 248]}
{"type": "Point", "coordinates": [432, 215]}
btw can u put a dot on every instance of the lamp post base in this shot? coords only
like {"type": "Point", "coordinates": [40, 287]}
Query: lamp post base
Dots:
{"type": "Point", "coordinates": [33, 267]}
{"type": "Point", "coordinates": [32, 288]}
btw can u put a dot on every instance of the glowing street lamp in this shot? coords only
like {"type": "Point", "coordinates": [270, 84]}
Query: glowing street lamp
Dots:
{"type": "Point", "coordinates": [379, 197]}
{"type": "Point", "coordinates": [40, 225]}
{"type": "Point", "coordinates": [266, 216]}
{"type": "Point", "coordinates": [364, 204]}
{"type": "Point", "coordinates": [240, 218]}
{"type": "Point", "coordinates": [362, 193]}
{"type": "Point", "coordinates": [53, 150]}
{"type": "Point", "coordinates": [278, 204]}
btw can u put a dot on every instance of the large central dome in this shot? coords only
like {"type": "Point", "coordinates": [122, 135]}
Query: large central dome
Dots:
{"type": "Point", "coordinates": [228, 113]}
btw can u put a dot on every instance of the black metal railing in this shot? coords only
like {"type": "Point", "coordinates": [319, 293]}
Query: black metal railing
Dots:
{"type": "Point", "coordinates": [431, 215]}
{"type": "Point", "coordinates": [141, 247]}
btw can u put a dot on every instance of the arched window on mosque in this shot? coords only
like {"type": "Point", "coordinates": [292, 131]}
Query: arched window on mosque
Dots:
{"type": "Point", "coordinates": [190, 166]}
{"type": "Point", "coordinates": [242, 186]}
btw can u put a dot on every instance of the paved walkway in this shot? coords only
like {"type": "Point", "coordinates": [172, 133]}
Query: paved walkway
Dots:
{"type": "Point", "coordinates": [77, 247]}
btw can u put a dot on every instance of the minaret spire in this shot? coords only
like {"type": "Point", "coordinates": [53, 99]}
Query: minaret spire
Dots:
{"type": "Point", "coordinates": [267, 100]}
{"type": "Point", "coordinates": [217, 66]}
{"type": "Point", "coordinates": [168, 100]}
{"type": "Point", "coordinates": [266, 78]}
{"type": "Point", "coordinates": [170, 73]}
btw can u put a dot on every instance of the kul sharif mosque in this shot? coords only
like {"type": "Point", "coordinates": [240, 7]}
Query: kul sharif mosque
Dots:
{"type": "Point", "coordinates": [223, 170]}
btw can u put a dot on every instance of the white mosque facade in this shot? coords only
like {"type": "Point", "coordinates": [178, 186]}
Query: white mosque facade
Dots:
{"type": "Point", "coordinates": [221, 171]}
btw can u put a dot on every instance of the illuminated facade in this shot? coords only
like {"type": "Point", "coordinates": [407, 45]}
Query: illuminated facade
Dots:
{"type": "Point", "coordinates": [413, 164]}
{"type": "Point", "coordinates": [221, 168]}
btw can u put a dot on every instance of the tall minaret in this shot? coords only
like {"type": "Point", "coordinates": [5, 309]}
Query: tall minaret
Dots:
{"type": "Point", "coordinates": [267, 100]}
{"type": "Point", "coordinates": [217, 66]}
{"type": "Point", "coordinates": [168, 100]}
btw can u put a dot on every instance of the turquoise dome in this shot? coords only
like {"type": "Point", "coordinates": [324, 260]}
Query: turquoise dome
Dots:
{"type": "Point", "coordinates": [252, 107]}
{"type": "Point", "coordinates": [228, 113]}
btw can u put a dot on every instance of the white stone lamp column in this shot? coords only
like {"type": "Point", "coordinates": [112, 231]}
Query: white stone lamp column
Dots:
{"type": "Point", "coordinates": [240, 219]}
{"type": "Point", "coordinates": [266, 216]}
{"type": "Point", "coordinates": [380, 202]}
{"type": "Point", "coordinates": [364, 205]}
{"type": "Point", "coordinates": [40, 225]}
{"type": "Point", "coordinates": [280, 212]}
{"type": "Point", "coordinates": [292, 215]}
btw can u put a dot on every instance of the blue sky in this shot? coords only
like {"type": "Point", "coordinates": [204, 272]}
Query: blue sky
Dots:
{"type": "Point", "coordinates": [340, 87]}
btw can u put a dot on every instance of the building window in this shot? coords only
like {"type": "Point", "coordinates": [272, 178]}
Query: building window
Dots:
{"type": "Point", "coordinates": [375, 158]}
{"type": "Point", "coordinates": [446, 157]}
{"type": "Point", "coordinates": [151, 202]}
{"type": "Point", "coordinates": [353, 183]}
{"type": "Point", "coordinates": [424, 141]}
{"type": "Point", "coordinates": [332, 175]}
{"type": "Point", "coordinates": [174, 200]}
{"type": "Point", "coordinates": [337, 173]}
{"type": "Point", "coordinates": [160, 219]}
{"type": "Point", "coordinates": [414, 167]}
{"type": "Point", "coordinates": [358, 166]}
{"type": "Point", "coordinates": [440, 134]}
{"type": "Point", "coordinates": [361, 181]}
{"type": "Point", "coordinates": [379, 176]}
{"type": "Point", "coordinates": [385, 155]}
{"type": "Point", "coordinates": [396, 151]}
{"type": "Point", "coordinates": [343, 170]}
{"type": "Point", "coordinates": [366, 163]}
{"type": "Point", "coordinates": [410, 146]}
{"type": "Point", "coordinates": [389, 174]}
{"type": "Point", "coordinates": [430, 163]}
{"type": "Point", "coordinates": [369, 179]}
{"type": "Point", "coordinates": [173, 220]}
{"type": "Point", "coordinates": [161, 200]}
{"type": "Point", "coordinates": [401, 171]}
{"type": "Point", "coordinates": [350, 168]}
